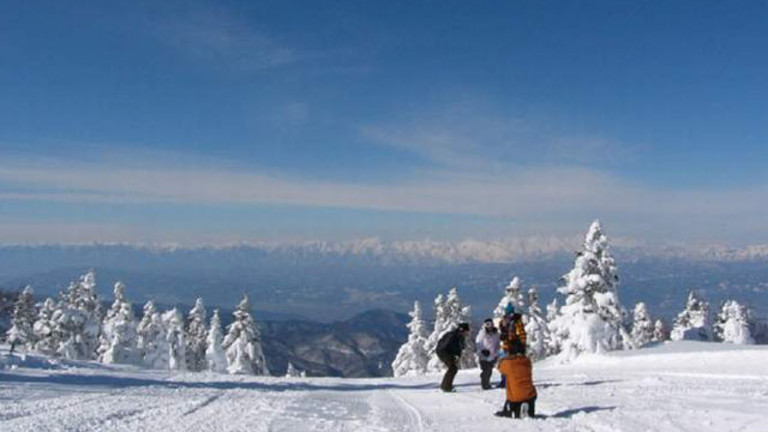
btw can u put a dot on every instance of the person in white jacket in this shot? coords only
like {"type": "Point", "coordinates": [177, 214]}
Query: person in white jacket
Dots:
{"type": "Point", "coordinates": [487, 344]}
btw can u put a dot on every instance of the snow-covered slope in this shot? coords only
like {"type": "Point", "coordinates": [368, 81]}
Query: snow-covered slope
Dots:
{"type": "Point", "coordinates": [672, 387]}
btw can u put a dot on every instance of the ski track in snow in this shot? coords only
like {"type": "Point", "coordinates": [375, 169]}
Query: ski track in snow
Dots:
{"type": "Point", "coordinates": [697, 392]}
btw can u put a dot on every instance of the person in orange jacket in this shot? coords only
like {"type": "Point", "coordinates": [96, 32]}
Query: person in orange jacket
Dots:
{"type": "Point", "coordinates": [511, 329]}
{"type": "Point", "coordinates": [521, 393]}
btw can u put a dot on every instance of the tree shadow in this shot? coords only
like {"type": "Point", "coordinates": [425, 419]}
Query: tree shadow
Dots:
{"type": "Point", "coordinates": [110, 381]}
{"type": "Point", "coordinates": [572, 412]}
{"type": "Point", "coordinates": [585, 383]}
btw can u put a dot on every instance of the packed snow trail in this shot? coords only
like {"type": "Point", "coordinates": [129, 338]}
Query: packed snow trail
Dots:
{"type": "Point", "coordinates": [674, 387]}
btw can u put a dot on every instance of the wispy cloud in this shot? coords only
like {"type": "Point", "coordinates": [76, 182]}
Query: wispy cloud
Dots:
{"type": "Point", "coordinates": [217, 38]}
{"type": "Point", "coordinates": [476, 164]}
{"type": "Point", "coordinates": [469, 135]}
{"type": "Point", "coordinates": [542, 197]}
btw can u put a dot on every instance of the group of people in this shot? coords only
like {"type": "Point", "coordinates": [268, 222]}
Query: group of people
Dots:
{"type": "Point", "coordinates": [502, 347]}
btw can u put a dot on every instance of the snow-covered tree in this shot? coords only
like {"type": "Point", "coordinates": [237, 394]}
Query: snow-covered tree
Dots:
{"type": "Point", "coordinates": [118, 341]}
{"type": "Point", "coordinates": [642, 325]}
{"type": "Point", "coordinates": [243, 343]}
{"type": "Point", "coordinates": [77, 319]}
{"type": "Point", "coordinates": [660, 331]}
{"type": "Point", "coordinates": [733, 324]}
{"type": "Point", "coordinates": [536, 328]}
{"type": "Point", "coordinates": [292, 372]}
{"type": "Point", "coordinates": [177, 348]}
{"type": "Point", "coordinates": [693, 322]}
{"type": "Point", "coordinates": [439, 327]}
{"type": "Point", "coordinates": [449, 312]}
{"type": "Point", "coordinates": [553, 342]}
{"type": "Point", "coordinates": [215, 358]}
{"type": "Point", "coordinates": [46, 341]}
{"type": "Point", "coordinates": [513, 294]}
{"type": "Point", "coordinates": [152, 342]}
{"type": "Point", "coordinates": [592, 318]}
{"type": "Point", "coordinates": [196, 337]}
{"type": "Point", "coordinates": [412, 359]}
{"type": "Point", "coordinates": [21, 333]}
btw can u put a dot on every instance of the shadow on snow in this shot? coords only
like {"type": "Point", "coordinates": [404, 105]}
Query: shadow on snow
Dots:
{"type": "Point", "coordinates": [572, 412]}
{"type": "Point", "coordinates": [119, 382]}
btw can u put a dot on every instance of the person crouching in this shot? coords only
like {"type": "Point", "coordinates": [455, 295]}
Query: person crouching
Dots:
{"type": "Point", "coordinates": [521, 393]}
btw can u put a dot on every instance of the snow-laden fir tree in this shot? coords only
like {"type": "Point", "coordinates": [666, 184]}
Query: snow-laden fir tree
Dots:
{"type": "Point", "coordinates": [118, 341]}
{"type": "Point", "coordinates": [77, 319]}
{"type": "Point", "coordinates": [513, 294]}
{"type": "Point", "coordinates": [733, 324]}
{"type": "Point", "coordinates": [660, 332]}
{"type": "Point", "coordinates": [592, 318]}
{"type": "Point", "coordinates": [152, 343]}
{"type": "Point", "coordinates": [243, 343]}
{"type": "Point", "coordinates": [177, 347]}
{"type": "Point", "coordinates": [693, 322]}
{"type": "Point", "coordinates": [21, 334]}
{"type": "Point", "coordinates": [536, 328]}
{"type": "Point", "coordinates": [458, 313]}
{"type": "Point", "coordinates": [196, 337]}
{"type": "Point", "coordinates": [449, 312]}
{"type": "Point", "coordinates": [642, 325]}
{"type": "Point", "coordinates": [553, 343]}
{"type": "Point", "coordinates": [412, 359]}
{"type": "Point", "coordinates": [215, 358]}
{"type": "Point", "coordinates": [439, 327]}
{"type": "Point", "coordinates": [46, 341]}
{"type": "Point", "coordinates": [292, 372]}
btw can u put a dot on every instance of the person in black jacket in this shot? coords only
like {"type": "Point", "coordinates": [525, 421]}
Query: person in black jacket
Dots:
{"type": "Point", "coordinates": [449, 349]}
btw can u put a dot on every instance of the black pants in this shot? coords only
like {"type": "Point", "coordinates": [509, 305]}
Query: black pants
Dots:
{"type": "Point", "coordinates": [514, 408]}
{"type": "Point", "coordinates": [453, 368]}
{"type": "Point", "coordinates": [486, 369]}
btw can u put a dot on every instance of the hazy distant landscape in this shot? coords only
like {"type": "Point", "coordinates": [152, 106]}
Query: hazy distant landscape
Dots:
{"type": "Point", "coordinates": [329, 282]}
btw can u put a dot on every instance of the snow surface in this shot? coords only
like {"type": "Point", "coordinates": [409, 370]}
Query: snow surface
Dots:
{"type": "Point", "coordinates": [678, 386]}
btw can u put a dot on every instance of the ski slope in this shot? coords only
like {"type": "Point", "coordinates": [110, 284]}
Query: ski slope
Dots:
{"type": "Point", "coordinates": [683, 386]}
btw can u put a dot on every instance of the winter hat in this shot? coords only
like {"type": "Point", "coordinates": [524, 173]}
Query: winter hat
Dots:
{"type": "Point", "coordinates": [488, 320]}
{"type": "Point", "coordinates": [463, 327]}
{"type": "Point", "coordinates": [509, 310]}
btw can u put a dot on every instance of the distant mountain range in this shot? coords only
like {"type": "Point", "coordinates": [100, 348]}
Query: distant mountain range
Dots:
{"type": "Point", "coordinates": [370, 250]}
{"type": "Point", "coordinates": [289, 281]}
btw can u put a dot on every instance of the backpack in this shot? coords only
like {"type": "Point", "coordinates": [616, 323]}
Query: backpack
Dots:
{"type": "Point", "coordinates": [513, 332]}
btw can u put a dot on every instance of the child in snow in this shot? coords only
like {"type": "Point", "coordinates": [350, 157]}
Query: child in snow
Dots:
{"type": "Point", "coordinates": [521, 393]}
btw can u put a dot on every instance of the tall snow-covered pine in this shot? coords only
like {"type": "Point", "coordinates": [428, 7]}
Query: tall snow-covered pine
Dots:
{"type": "Point", "coordinates": [412, 359]}
{"type": "Point", "coordinates": [536, 328]}
{"type": "Point", "coordinates": [243, 343]}
{"type": "Point", "coordinates": [215, 358]}
{"type": "Point", "coordinates": [118, 340]}
{"type": "Point", "coordinates": [642, 325]}
{"type": "Point", "coordinates": [592, 318]}
{"type": "Point", "coordinates": [152, 338]}
{"type": "Point", "coordinates": [733, 324]}
{"type": "Point", "coordinates": [195, 337]}
{"type": "Point", "coordinates": [21, 333]}
{"type": "Point", "coordinates": [177, 347]}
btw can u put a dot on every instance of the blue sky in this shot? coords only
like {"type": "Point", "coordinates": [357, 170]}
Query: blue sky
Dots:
{"type": "Point", "coordinates": [211, 122]}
